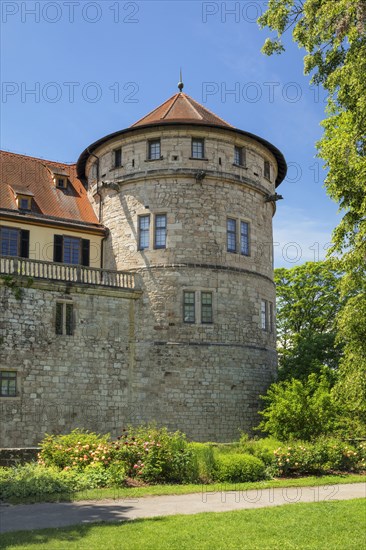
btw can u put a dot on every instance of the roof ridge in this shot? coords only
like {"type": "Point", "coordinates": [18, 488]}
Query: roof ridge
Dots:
{"type": "Point", "coordinates": [188, 100]}
{"type": "Point", "coordinates": [171, 106]}
{"type": "Point", "coordinates": [153, 111]}
{"type": "Point", "coordinates": [69, 164]}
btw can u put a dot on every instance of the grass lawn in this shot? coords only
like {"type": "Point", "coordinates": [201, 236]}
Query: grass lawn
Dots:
{"type": "Point", "coordinates": [330, 525]}
{"type": "Point", "coordinates": [138, 492]}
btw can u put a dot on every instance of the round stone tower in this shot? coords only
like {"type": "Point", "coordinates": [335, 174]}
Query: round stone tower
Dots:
{"type": "Point", "coordinates": [188, 201]}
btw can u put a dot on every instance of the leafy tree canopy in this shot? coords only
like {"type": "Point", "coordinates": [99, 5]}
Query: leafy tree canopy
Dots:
{"type": "Point", "coordinates": [333, 34]}
{"type": "Point", "coordinates": [308, 301]}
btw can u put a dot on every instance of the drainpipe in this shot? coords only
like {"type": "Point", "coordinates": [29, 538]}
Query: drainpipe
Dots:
{"type": "Point", "coordinates": [100, 209]}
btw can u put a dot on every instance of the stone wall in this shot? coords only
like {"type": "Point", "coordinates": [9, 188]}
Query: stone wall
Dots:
{"type": "Point", "coordinates": [13, 457]}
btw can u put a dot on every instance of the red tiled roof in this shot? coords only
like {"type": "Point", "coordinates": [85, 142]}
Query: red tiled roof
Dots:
{"type": "Point", "coordinates": [181, 108]}
{"type": "Point", "coordinates": [35, 176]}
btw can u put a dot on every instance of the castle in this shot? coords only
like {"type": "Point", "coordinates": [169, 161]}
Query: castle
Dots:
{"type": "Point", "coordinates": [137, 284]}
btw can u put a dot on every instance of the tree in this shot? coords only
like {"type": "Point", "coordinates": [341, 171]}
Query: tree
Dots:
{"type": "Point", "coordinates": [298, 409]}
{"type": "Point", "coordinates": [333, 34]}
{"type": "Point", "coordinates": [308, 301]}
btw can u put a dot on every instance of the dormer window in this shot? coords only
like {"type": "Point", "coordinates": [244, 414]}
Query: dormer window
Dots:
{"type": "Point", "coordinates": [61, 182]}
{"type": "Point", "coordinates": [24, 203]}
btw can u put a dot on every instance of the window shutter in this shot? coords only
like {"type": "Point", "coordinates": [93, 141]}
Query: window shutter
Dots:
{"type": "Point", "coordinates": [24, 243]}
{"type": "Point", "coordinates": [85, 252]}
{"type": "Point", "coordinates": [57, 248]}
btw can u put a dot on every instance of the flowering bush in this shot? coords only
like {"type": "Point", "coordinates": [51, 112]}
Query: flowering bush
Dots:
{"type": "Point", "coordinates": [75, 450]}
{"type": "Point", "coordinates": [322, 456]}
{"type": "Point", "coordinates": [154, 454]}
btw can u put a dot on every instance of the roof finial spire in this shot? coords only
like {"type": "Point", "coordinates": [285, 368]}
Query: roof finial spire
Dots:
{"type": "Point", "coordinates": [180, 83]}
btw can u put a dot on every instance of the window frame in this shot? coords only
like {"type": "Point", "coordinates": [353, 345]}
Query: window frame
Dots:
{"type": "Point", "coordinates": [150, 144]}
{"type": "Point", "coordinates": [247, 252]}
{"type": "Point", "coordinates": [22, 241]}
{"type": "Point", "coordinates": [231, 232]}
{"type": "Point", "coordinates": [208, 293]}
{"type": "Point", "coordinates": [191, 305]}
{"type": "Point", "coordinates": [8, 379]}
{"type": "Point", "coordinates": [141, 231]}
{"type": "Point", "coordinates": [117, 157]}
{"type": "Point", "coordinates": [156, 229]}
{"type": "Point", "coordinates": [194, 141]}
{"type": "Point", "coordinates": [64, 182]}
{"type": "Point", "coordinates": [242, 156]}
{"type": "Point", "coordinates": [267, 170]}
{"type": "Point", "coordinates": [267, 316]}
{"type": "Point", "coordinates": [59, 250]}
{"type": "Point", "coordinates": [67, 325]}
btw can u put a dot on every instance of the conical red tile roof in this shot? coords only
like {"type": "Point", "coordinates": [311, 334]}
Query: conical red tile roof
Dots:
{"type": "Point", "coordinates": [181, 108]}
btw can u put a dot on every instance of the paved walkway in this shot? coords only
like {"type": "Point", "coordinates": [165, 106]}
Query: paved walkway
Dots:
{"type": "Point", "coordinates": [39, 516]}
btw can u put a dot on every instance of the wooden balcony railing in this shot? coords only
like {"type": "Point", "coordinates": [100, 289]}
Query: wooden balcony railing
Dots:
{"type": "Point", "coordinates": [38, 269]}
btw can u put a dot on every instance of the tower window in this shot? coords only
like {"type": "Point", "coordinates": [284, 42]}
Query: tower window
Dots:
{"type": "Point", "coordinates": [160, 231]}
{"type": "Point", "coordinates": [267, 316]}
{"type": "Point", "coordinates": [198, 149]}
{"type": "Point", "coordinates": [244, 238]}
{"type": "Point", "coordinates": [117, 158]}
{"type": "Point", "coordinates": [267, 170]}
{"type": "Point", "coordinates": [144, 232]}
{"type": "Point", "coordinates": [239, 156]}
{"type": "Point", "coordinates": [154, 149]}
{"type": "Point", "coordinates": [8, 383]}
{"type": "Point", "coordinates": [64, 318]}
{"type": "Point", "coordinates": [231, 235]}
{"type": "Point", "coordinates": [206, 307]}
{"type": "Point", "coordinates": [189, 307]}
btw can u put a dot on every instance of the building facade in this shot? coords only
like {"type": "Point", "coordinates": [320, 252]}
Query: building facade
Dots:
{"type": "Point", "coordinates": [137, 284]}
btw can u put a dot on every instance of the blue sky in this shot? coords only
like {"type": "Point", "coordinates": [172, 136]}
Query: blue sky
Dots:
{"type": "Point", "coordinates": [73, 71]}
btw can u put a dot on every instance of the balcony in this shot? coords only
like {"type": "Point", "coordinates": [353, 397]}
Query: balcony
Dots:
{"type": "Point", "coordinates": [50, 271]}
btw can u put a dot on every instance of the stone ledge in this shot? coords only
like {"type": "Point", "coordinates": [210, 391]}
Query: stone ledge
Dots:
{"type": "Point", "coordinates": [13, 457]}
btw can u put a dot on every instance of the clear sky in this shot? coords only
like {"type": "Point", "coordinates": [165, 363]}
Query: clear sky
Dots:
{"type": "Point", "coordinates": [73, 71]}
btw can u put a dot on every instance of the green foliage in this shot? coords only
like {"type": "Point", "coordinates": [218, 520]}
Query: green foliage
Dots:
{"type": "Point", "coordinates": [261, 448]}
{"type": "Point", "coordinates": [238, 467]}
{"type": "Point", "coordinates": [33, 480]}
{"type": "Point", "coordinates": [333, 35]}
{"type": "Point", "coordinates": [203, 463]}
{"type": "Point", "coordinates": [298, 409]}
{"type": "Point", "coordinates": [321, 457]}
{"type": "Point", "coordinates": [308, 301]}
{"type": "Point", "coordinates": [75, 450]}
{"type": "Point", "coordinates": [155, 455]}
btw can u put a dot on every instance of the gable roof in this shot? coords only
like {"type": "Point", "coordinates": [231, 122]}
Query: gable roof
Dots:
{"type": "Point", "coordinates": [34, 176]}
{"type": "Point", "coordinates": [181, 108]}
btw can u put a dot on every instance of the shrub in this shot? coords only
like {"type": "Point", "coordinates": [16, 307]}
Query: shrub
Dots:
{"type": "Point", "coordinates": [299, 409]}
{"type": "Point", "coordinates": [261, 448]}
{"type": "Point", "coordinates": [155, 455]}
{"type": "Point", "coordinates": [321, 457]}
{"type": "Point", "coordinates": [238, 467]}
{"type": "Point", "coordinates": [33, 480]}
{"type": "Point", "coordinates": [77, 449]}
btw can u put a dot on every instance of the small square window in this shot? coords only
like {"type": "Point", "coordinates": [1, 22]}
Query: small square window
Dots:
{"type": "Point", "coordinates": [154, 149]}
{"type": "Point", "coordinates": [189, 307]}
{"type": "Point", "coordinates": [118, 158]}
{"type": "Point", "coordinates": [198, 148]}
{"type": "Point", "coordinates": [144, 232]}
{"type": "Point", "coordinates": [64, 318]}
{"type": "Point", "coordinates": [8, 383]}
